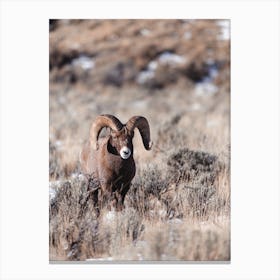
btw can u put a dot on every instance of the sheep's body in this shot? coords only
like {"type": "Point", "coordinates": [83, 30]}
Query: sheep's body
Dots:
{"type": "Point", "coordinates": [113, 173]}
{"type": "Point", "coordinates": [112, 163]}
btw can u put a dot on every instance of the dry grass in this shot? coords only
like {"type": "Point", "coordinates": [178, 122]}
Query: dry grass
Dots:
{"type": "Point", "coordinates": [178, 206]}
{"type": "Point", "coordinates": [175, 212]}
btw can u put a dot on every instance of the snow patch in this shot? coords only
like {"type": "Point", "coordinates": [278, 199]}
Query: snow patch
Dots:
{"type": "Point", "coordinates": [164, 59]}
{"type": "Point", "coordinates": [145, 32]}
{"type": "Point", "coordinates": [55, 185]}
{"type": "Point", "coordinates": [52, 193]}
{"type": "Point", "coordinates": [83, 61]}
{"type": "Point", "coordinates": [153, 65]}
{"type": "Point", "coordinates": [205, 89]}
{"type": "Point", "coordinates": [145, 76]}
{"type": "Point", "coordinates": [78, 176]}
{"type": "Point", "coordinates": [224, 29]}
{"type": "Point", "coordinates": [171, 59]}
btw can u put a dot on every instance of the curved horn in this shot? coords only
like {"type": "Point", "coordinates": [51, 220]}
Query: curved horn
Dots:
{"type": "Point", "coordinates": [100, 122]}
{"type": "Point", "coordinates": [143, 126]}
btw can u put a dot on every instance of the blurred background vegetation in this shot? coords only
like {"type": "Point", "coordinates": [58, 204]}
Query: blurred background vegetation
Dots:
{"type": "Point", "coordinates": [162, 69]}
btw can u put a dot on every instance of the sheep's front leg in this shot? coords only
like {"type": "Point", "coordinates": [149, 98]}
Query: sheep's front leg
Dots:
{"type": "Point", "coordinates": [106, 196]}
{"type": "Point", "coordinates": [118, 202]}
{"type": "Point", "coordinates": [120, 196]}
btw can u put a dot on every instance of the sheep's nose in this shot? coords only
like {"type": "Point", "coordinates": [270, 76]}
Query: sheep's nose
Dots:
{"type": "Point", "coordinates": [125, 152]}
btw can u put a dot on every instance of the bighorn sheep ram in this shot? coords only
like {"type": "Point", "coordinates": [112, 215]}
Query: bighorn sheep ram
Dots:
{"type": "Point", "coordinates": [109, 160]}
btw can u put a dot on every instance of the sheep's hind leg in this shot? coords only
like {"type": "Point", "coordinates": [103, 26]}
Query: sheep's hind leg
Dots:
{"type": "Point", "coordinates": [120, 196]}
{"type": "Point", "coordinates": [93, 189]}
{"type": "Point", "coordinates": [95, 202]}
{"type": "Point", "coordinates": [124, 191]}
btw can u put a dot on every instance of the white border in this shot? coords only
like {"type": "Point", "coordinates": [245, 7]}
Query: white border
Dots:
{"type": "Point", "coordinates": [255, 138]}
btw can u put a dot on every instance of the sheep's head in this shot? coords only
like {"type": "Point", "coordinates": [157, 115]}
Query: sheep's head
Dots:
{"type": "Point", "coordinates": [120, 140]}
